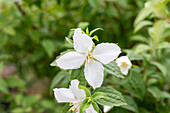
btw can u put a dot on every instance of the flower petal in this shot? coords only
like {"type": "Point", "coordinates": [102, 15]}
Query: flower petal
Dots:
{"type": "Point", "coordinates": [79, 93]}
{"type": "Point", "coordinates": [71, 60]}
{"type": "Point", "coordinates": [122, 59]}
{"type": "Point", "coordinates": [106, 52]}
{"type": "Point", "coordinates": [90, 109]}
{"type": "Point", "coordinates": [124, 69]}
{"type": "Point", "coordinates": [63, 95]}
{"type": "Point", "coordinates": [82, 42]}
{"type": "Point", "coordinates": [107, 108]}
{"type": "Point", "coordinates": [94, 73]}
{"type": "Point", "coordinates": [124, 63]}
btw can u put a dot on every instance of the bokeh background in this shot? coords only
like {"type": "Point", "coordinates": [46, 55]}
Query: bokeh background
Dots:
{"type": "Point", "coordinates": [32, 34]}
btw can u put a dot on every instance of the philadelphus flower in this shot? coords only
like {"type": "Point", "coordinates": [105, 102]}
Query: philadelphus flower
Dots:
{"type": "Point", "coordinates": [124, 63]}
{"type": "Point", "coordinates": [106, 109]}
{"type": "Point", "coordinates": [74, 96]}
{"type": "Point", "coordinates": [93, 58]}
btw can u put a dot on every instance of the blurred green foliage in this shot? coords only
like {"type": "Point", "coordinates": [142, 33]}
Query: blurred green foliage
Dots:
{"type": "Point", "coordinates": [32, 34]}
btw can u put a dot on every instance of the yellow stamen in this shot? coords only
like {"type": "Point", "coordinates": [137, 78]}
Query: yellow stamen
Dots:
{"type": "Point", "coordinates": [124, 64]}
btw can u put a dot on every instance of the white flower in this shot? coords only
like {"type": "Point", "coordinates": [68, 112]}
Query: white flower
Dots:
{"type": "Point", "coordinates": [106, 109]}
{"type": "Point", "coordinates": [74, 96]}
{"type": "Point", "coordinates": [83, 44]}
{"type": "Point", "coordinates": [124, 63]}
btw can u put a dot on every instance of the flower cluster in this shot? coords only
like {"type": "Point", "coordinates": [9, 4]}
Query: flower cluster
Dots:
{"type": "Point", "coordinates": [91, 57]}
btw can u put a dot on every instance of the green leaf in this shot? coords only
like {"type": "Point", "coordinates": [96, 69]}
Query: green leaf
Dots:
{"type": "Point", "coordinates": [3, 86]}
{"type": "Point", "coordinates": [79, 75]}
{"type": "Point", "coordinates": [28, 101]}
{"type": "Point", "coordinates": [84, 105]}
{"type": "Point", "coordinates": [161, 67]}
{"type": "Point", "coordinates": [96, 38]}
{"type": "Point", "coordinates": [139, 38]}
{"type": "Point", "coordinates": [83, 25]}
{"type": "Point", "coordinates": [142, 15]}
{"type": "Point", "coordinates": [142, 24]}
{"type": "Point", "coordinates": [131, 105]}
{"type": "Point", "coordinates": [94, 30]}
{"type": "Point", "coordinates": [99, 95]}
{"type": "Point", "coordinates": [87, 31]}
{"type": "Point", "coordinates": [115, 97]}
{"type": "Point", "coordinates": [88, 94]}
{"type": "Point", "coordinates": [58, 77]}
{"type": "Point", "coordinates": [1, 66]}
{"type": "Point", "coordinates": [163, 45]}
{"type": "Point", "coordinates": [69, 41]}
{"type": "Point", "coordinates": [140, 48]}
{"type": "Point", "coordinates": [157, 93]}
{"type": "Point", "coordinates": [47, 104]}
{"type": "Point", "coordinates": [15, 82]}
{"type": "Point", "coordinates": [136, 85]}
{"type": "Point", "coordinates": [9, 30]}
{"type": "Point", "coordinates": [71, 32]}
{"type": "Point", "coordinates": [113, 69]}
{"type": "Point", "coordinates": [95, 106]}
{"type": "Point", "coordinates": [161, 31]}
{"type": "Point", "coordinates": [48, 46]}
{"type": "Point", "coordinates": [94, 4]}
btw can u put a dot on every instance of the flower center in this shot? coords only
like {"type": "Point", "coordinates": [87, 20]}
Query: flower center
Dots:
{"type": "Point", "coordinates": [124, 64]}
{"type": "Point", "coordinates": [89, 58]}
{"type": "Point", "coordinates": [75, 106]}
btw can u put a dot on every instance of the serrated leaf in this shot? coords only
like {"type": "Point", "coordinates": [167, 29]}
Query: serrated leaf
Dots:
{"type": "Point", "coordinates": [3, 86]}
{"type": "Point", "coordinates": [79, 75]}
{"type": "Point", "coordinates": [58, 77]}
{"type": "Point", "coordinates": [99, 95]}
{"type": "Point", "coordinates": [113, 69]}
{"type": "Point", "coordinates": [142, 24]}
{"type": "Point", "coordinates": [136, 85]}
{"type": "Point", "coordinates": [140, 48]}
{"type": "Point", "coordinates": [131, 105]}
{"type": "Point", "coordinates": [94, 30]}
{"type": "Point", "coordinates": [115, 97]}
{"type": "Point", "coordinates": [161, 67]}
{"type": "Point", "coordinates": [157, 93]}
{"type": "Point", "coordinates": [83, 25]}
{"type": "Point", "coordinates": [88, 94]}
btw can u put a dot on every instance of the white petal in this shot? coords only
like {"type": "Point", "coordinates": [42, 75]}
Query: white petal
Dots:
{"type": "Point", "coordinates": [71, 60]}
{"type": "Point", "coordinates": [82, 42]}
{"type": "Point", "coordinates": [94, 73]}
{"type": "Point", "coordinates": [64, 95]}
{"type": "Point", "coordinates": [90, 109]}
{"type": "Point", "coordinates": [124, 68]}
{"type": "Point", "coordinates": [79, 93]}
{"type": "Point", "coordinates": [106, 109]}
{"type": "Point", "coordinates": [122, 59]}
{"type": "Point", "coordinates": [106, 52]}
